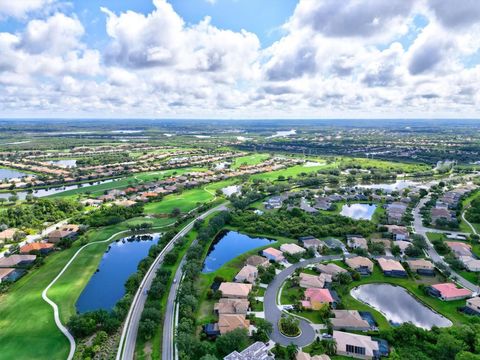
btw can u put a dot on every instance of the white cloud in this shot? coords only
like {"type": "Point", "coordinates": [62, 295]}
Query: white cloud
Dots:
{"type": "Point", "coordinates": [20, 8]}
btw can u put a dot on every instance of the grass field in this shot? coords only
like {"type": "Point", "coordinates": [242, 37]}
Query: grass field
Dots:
{"type": "Point", "coordinates": [465, 204]}
{"type": "Point", "coordinates": [288, 172]}
{"type": "Point", "coordinates": [253, 159]}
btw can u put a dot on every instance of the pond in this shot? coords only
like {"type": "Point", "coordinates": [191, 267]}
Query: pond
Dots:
{"type": "Point", "coordinates": [398, 306]}
{"type": "Point", "coordinates": [358, 211]}
{"type": "Point", "coordinates": [227, 246]}
{"type": "Point", "coordinates": [67, 163]}
{"type": "Point", "coordinates": [389, 187]}
{"type": "Point", "coordinates": [11, 174]}
{"type": "Point", "coordinates": [107, 285]}
{"type": "Point", "coordinates": [232, 189]}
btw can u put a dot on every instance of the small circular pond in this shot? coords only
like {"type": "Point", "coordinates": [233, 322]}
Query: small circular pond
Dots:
{"type": "Point", "coordinates": [398, 305]}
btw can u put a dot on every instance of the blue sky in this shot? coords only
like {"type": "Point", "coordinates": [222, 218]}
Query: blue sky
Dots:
{"type": "Point", "coordinates": [251, 59]}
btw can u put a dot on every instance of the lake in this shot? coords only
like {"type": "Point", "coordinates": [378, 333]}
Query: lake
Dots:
{"type": "Point", "coordinates": [389, 187]}
{"type": "Point", "coordinates": [227, 246]}
{"type": "Point", "coordinates": [11, 174]}
{"type": "Point", "coordinates": [67, 163]}
{"type": "Point", "coordinates": [106, 286]}
{"type": "Point", "coordinates": [398, 306]}
{"type": "Point", "coordinates": [358, 211]}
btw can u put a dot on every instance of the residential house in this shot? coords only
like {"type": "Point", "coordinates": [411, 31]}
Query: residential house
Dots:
{"type": "Point", "coordinates": [470, 263]}
{"type": "Point", "coordinates": [422, 267]}
{"type": "Point", "coordinates": [474, 304]}
{"type": "Point", "coordinates": [360, 264]}
{"type": "Point", "coordinates": [235, 290]}
{"type": "Point", "coordinates": [230, 322]}
{"type": "Point", "coordinates": [323, 204]}
{"type": "Point", "coordinates": [231, 306]}
{"type": "Point", "coordinates": [16, 260]}
{"type": "Point", "coordinates": [273, 254]}
{"type": "Point", "coordinates": [349, 320]}
{"type": "Point", "coordinates": [441, 214]}
{"type": "Point", "coordinates": [248, 274]}
{"type": "Point", "coordinates": [314, 281]}
{"type": "Point", "coordinates": [310, 242]}
{"type": "Point", "coordinates": [257, 261]}
{"type": "Point", "coordinates": [398, 232]}
{"type": "Point", "coordinates": [305, 356]}
{"type": "Point", "coordinates": [395, 212]}
{"type": "Point", "coordinates": [7, 235]}
{"type": "Point", "coordinates": [65, 232]}
{"type": "Point", "coordinates": [256, 351]}
{"type": "Point", "coordinates": [43, 248]}
{"type": "Point", "coordinates": [449, 292]}
{"type": "Point", "coordinates": [391, 267]}
{"type": "Point", "coordinates": [459, 248]}
{"type": "Point", "coordinates": [7, 274]}
{"type": "Point", "coordinates": [330, 269]}
{"type": "Point", "coordinates": [292, 249]}
{"type": "Point", "coordinates": [315, 298]}
{"type": "Point", "coordinates": [356, 346]}
{"type": "Point", "coordinates": [357, 242]}
{"type": "Point", "coordinates": [403, 245]}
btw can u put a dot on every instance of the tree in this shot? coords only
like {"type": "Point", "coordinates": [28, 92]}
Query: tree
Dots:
{"type": "Point", "coordinates": [176, 212]}
{"type": "Point", "coordinates": [147, 328]}
{"type": "Point", "coordinates": [235, 340]}
{"type": "Point", "coordinates": [264, 329]}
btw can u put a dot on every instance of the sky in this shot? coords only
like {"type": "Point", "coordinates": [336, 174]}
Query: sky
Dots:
{"type": "Point", "coordinates": [245, 59]}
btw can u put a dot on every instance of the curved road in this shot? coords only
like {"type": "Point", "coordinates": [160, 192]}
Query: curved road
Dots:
{"type": "Point", "coordinates": [273, 313]}
{"type": "Point", "coordinates": [56, 314]}
{"type": "Point", "coordinates": [128, 338]}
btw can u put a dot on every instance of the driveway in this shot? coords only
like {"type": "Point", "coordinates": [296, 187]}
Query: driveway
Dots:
{"type": "Point", "coordinates": [273, 313]}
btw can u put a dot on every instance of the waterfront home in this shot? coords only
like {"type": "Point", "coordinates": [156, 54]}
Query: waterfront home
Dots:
{"type": "Point", "coordinates": [470, 263]}
{"type": "Point", "coordinates": [310, 242]}
{"type": "Point", "coordinates": [273, 254]}
{"type": "Point", "coordinates": [322, 204]}
{"type": "Point", "coordinates": [257, 261]}
{"type": "Point", "coordinates": [398, 232]}
{"type": "Point", "coordinates": [330, 269]}
{"type": "Point", "coordinates": [448, 292]}
{"type": "Point", "coordinates": [230, 322]}
{"type": "Point", "coordinates": [305, 356]}
{"type": "Point", "coordinates": [43, 248]}
{"type": "Point", "coordinates": [256, 351]}
{"type": "Point", "coordinates": [474, 304]}
{"type": "Point", "coordinates": [231, 306]}
{"type": "Point", "coordinates": [391, 267]}
{"type": "Point", "coordinates": [356, 346]}
{"type": "Point", "coordinates": [248, 274]}
{"type": "Point", "coordinates": [16, 260]}
{"type": "Point", "coordinates": [7, 235]}
{"type": "Point", "coordinates": [65, 232]}
{"type": "Point", "coordinates": [292, 249]}
{"type": "Point", "coordinates": [422, 267]}
{"type": "Point", "coordinates": [357, 242]}
{"type": "Point", "coordinates": [349, 320]}
{"type": "Point", "coordinates": [235, 290]}
{"type": "Point", "coordinates": [361, 264]}
{"type": "Point", "coordinates": [315, 298]}
{"type": "Point", "coordinates": [314, 281]}
{"type": "Point", "coordinates": [7, 274]}
{"type": "Point", "coordinates": [395, 212]}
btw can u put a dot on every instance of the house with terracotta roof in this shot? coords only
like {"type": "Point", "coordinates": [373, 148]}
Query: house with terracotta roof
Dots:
{"type": "Point", "coordinates": [422, 267]}
{"type": "Point", "coordinates": [43, 248]}
{"type": "Point", "coordinates": [257, 261]}
{"type": "Point", "coordinates": [314, 281]}
{"type": "Point", "coordinates": [273, 254]}
{"type": "Point", "coordinates": [230, 322]}
{"type": "Point", "coordinates": [248, 274]}
{"type": "Point", "coordinates": [7, 235]}
{"type": "Point", "coordinates": [356, 346]}
{"type": "Point", "coordinates": [231, 306]}
{"type": "Point", "coordinates": [361, 264]}
{"type": "Point", "coordinates": [235, 290]}
{"type": "Point", "coordinates": [315, 298]}
{"type": "Point", "coordinates": [459, 248]}
{"type": "Point", "coordinates": [305, 356]}
{"type": "Point", "coordinates": [349, 320]}
{"type": "Point", "coordinates": [391, 267]}
{"type": "Point", "coordinates": [448, 292]}
{"type": "Point", "coordinates": [65, 232]}
{"type": "Point", "coordinates": [292, 249]}
{"type": "Point", "coordinates": [7, 274]}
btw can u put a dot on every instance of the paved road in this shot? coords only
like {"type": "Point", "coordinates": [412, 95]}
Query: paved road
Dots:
{"type": "Point", "coordinates": [126, 349]}
{"type": "Point", "coordinates": [273, 313]}
{"type": "Point", "coordinates": [422, 230]}
{"type": "Point", "coordinates": [168, 343]}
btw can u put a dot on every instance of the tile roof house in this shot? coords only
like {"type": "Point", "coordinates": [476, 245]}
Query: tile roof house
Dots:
{"type": "Point", "coordinates": [349, 320]}
{"type": "Point", "coordinates": [449, 292]}
{"type": "Point", "coordinates": [357, 242]}
{"type": "Point", "coordinates": [330, 269]}
{"type": "Point", "coordinates": [231, 306]}
{"type": "Point", "coordinates": [7, 235]}
{"type": "Point", "coordinates": [470, 263]}
{"type": "Point", "coordinates": [235, 290]}
{"type": "Point", "coordinates": [316, 298]}
{"type": "Point", "coordinates": [16, 260]}
{"type": "Point", "coordinates": [292, 249]}
{"type": "Point", "coordinates": [361, 264]}
{"type": "Point", "coordinates": [64, 232]}
{"type": "Point", "coordinates": [314, 281]}
{"type": "Point", "coordinates": [398, 232]}
{"type": "Point", "coordinates": [273, 254]}
{"type": "Point", "coordinates": [305, 356]}
{"type": "Point", "coordinates": [256, 260]}
{"type": "Point", "coordinates": [230, 322]}
{"type": "Point", "coordinates": [474, 304]}
{"type": "Point", "coordinates": [310, 242]}
{"type": "Point", "coordinates": [422, 266]}
{"type": "Point", "coordinates": [459, 248]}
{"type": "Point", "coordinates": [44, 248]}
{"type": "Point", "coordinates": [256, 351]}
{"type": "Point", "coordinates": [247, 274]}
{"type": "Point", "coordinates": [7, 274]}
{"type": "Point", "coordinates": [391, 267]}
{"type": "Point", "coordinates": [356, 346]}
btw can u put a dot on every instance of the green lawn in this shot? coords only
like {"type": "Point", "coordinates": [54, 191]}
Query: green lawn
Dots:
{"type": "Point", "coordinates": [252, 159]}
{"type": "Point", "coordinates": [186, 201]}
{"type": "Point", "coordinates": [465, 204]}
{"type": "Point", "coordinates": [288, 172]}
